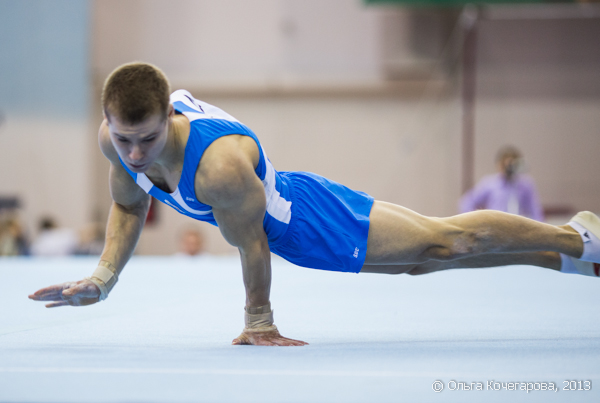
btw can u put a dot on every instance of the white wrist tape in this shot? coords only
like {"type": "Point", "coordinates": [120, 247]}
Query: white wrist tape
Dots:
{"type": "Point", "coordinates": [259, 318]}
{"type": "Point", "coordinates": [105, 277]}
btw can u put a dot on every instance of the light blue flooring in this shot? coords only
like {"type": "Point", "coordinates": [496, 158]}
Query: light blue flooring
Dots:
{"type": "Point", "coordinates": [164, 335]}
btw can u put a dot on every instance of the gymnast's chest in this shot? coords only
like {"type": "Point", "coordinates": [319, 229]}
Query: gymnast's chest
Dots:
{"type": "Point", "coordinates": [166, 181]}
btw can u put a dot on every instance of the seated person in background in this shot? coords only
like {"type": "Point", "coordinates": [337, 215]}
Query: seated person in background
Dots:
{"type": "Point", "coordinates": [13, 241]}
{"type": "Point", "coordinates": [54, 241]}
{"type": "Point", "coordinates": [191, 243]}
{"type": "Point", "coordinates": [508, 190]}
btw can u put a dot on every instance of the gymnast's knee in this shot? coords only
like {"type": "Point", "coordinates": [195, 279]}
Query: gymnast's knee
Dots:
{"type": "Point", "coordinates": [457, 243]}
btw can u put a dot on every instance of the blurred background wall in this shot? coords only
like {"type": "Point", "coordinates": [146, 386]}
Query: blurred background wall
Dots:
{"type": "Point", "coordinates": [45, 138]}
{"type": "Point", "coordinates": [369, 96]}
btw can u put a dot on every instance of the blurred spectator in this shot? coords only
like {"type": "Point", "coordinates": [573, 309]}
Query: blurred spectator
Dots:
{"type": "Point", "coordinates": [508, 190]}
{"type": "Point", "coordinates": [13, 241]}
{"type": "Point", "coordinates": [191, 243]}
{"type": "Point", "coordinates": [91, 240]}
{"type": "Point", "coordinates": [54, 241]}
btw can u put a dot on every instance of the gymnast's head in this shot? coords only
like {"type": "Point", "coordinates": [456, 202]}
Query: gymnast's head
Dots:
{"type": "Point", "coordinates": [509, 160]}
{"type": "Point", "coordinates": [135, 102]}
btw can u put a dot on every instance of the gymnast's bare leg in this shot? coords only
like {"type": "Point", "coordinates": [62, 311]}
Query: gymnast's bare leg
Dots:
{"type": "Point", "coordinates": [402, 241]}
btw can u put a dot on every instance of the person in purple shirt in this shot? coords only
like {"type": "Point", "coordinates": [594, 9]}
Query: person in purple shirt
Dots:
{"type": "Point", "coordinates": [507, 191]}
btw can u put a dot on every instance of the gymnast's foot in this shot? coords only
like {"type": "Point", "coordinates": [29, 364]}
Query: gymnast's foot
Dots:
{"type": "Point", "coordinates": [576, 266]}
{"type": "Point", "coordinates": [587, 224]}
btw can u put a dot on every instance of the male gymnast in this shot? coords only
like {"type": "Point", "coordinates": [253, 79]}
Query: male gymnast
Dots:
{"type": "Point", "coordinates": [205, 164]}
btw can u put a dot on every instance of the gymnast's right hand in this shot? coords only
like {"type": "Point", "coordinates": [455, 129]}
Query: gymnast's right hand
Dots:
{"type": "Point", "coordinates": [75, 293]}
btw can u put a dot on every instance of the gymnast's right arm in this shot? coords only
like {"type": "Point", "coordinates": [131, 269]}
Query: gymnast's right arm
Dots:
{"type": "Point", "coordinates": [125, 222]}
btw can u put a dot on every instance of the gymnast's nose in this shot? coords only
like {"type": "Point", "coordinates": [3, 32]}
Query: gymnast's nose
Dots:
{"type": "Point", "coordinates": [135, 153]}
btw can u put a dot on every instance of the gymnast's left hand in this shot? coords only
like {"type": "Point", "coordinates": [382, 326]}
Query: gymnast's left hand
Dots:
{"type": "Point", "coordinates": [266, 338]}
{"type": "Point", "coordinates": [74, 293]}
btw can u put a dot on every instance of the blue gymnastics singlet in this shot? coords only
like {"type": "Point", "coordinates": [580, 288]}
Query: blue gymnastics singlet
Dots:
{"type": "Point", "coordinates": [207, 124]}
{"type": "Point", "coordinates": [309, 220]}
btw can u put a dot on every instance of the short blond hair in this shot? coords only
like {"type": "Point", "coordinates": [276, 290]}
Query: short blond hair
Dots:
{"type": "Point", "coordinates": [135, 91]}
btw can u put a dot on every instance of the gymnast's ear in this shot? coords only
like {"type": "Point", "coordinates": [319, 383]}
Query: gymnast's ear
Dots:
{"type": "Point", "coordinates": [106, 115]}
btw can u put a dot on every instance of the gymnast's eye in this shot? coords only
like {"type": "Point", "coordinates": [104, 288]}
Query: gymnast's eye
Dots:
{"type": "Point", "coordinates": [148, 140]}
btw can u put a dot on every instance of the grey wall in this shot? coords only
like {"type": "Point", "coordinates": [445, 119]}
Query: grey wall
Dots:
{"type": "Point", "coordinates": [281, 67]}
{"type": "Point", "coordinates": [44, 99]}
{"type": "Point", "coordinates": [539, 88]}
{"type": "Point", "coordinates": [44, 57]}
{"type": "Point", "coordinates": [311, 78]}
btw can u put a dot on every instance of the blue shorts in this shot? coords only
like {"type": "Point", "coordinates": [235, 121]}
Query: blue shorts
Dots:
{"type": "Point", "coordinates": [329, 225]}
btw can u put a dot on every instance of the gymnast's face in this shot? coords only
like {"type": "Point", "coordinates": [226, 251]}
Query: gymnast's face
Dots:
{"type": "Point", "coordinates": [509, 165]}
{"type": "Point", "coordinates": [141, 144]}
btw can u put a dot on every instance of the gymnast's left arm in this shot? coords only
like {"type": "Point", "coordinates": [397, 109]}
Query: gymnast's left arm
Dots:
{"type": "Point", "coordinates": [238, 203]}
